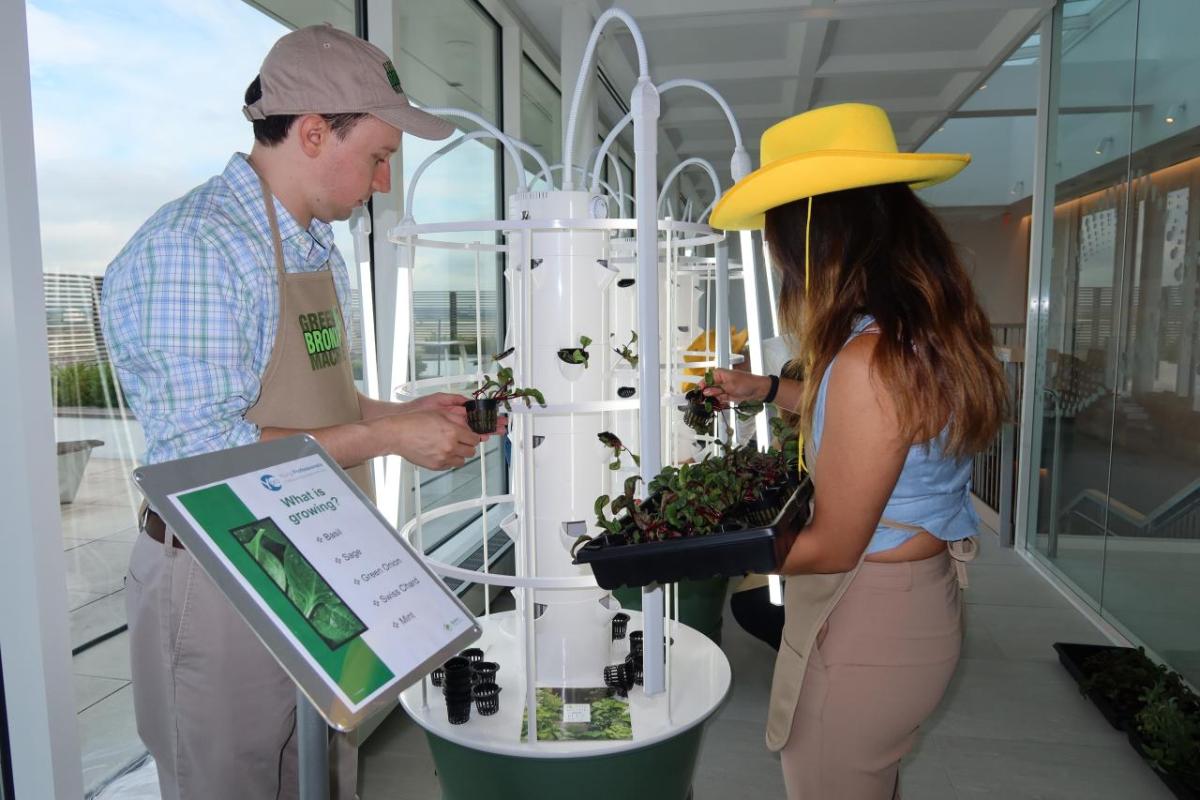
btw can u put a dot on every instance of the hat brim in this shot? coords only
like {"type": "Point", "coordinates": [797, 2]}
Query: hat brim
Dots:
{"type": "Point", "coordinates": [744, 206]}
{"type": "Point", "coordinates": [415, 121]}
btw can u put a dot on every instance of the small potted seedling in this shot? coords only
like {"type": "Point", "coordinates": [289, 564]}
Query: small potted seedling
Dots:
{"type": "Point", "coordinates": [574, 360]}
{"type": "Point", "coordinates": [625, 351]}
{"type": "Point", "coordinates": [484, 407]}
{"type": "Point", "coordinates": [700, 410]}
{"type": "Point", "coordinates": [611, 441]}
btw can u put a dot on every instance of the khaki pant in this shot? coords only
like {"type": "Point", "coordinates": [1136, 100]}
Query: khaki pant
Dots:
{"type": "Point", "coordinates": [212, 705]}
{"type": "Point", "coordinates": [880, 666]}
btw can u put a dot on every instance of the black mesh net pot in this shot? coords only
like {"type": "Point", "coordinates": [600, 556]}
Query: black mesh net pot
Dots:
{"type": "Point", "coordinates": [487, 698]}
{"type": "Point", "coordinates": [763, 511]}
{"type": "Point", "coordinates": [458, 711]}
{"type": "Point", "coordinates": [635, 643]}
{"type": "Point", "coordinates": [484, 671]}
{"type": "Point", "coordinates": [473, 655]}
{"type": "Point", "coordinates": [457, 675]}
{"type": "Point", "coordinates": [483, 415]}
{"type": "Point", "coordinates": [437, 676]}
{"type": "Point", "coordinates": [619, 677]}
{"type": "Point", "coordinates": [634, 664]}
{"type": "Point", "coordinates": [620, 623]}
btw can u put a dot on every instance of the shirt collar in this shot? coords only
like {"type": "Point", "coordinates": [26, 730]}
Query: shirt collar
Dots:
{"type": "Point", "coordinates": [313, 245]}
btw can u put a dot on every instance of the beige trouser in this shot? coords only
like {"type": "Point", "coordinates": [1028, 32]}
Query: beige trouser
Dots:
{"type": "Point", "coordinates": [880, 666]}
{"type": "Point", "coordinates": [213, 707]}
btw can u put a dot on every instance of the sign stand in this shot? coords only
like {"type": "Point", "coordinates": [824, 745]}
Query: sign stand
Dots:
{"type": "Point", "coordinates": [312, 740]}
{"type": "Point", "coordinates": [346, 606]}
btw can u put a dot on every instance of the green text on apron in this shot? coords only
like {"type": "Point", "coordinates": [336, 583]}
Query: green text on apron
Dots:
{"type": "Point", "coordinates": [308, 382]}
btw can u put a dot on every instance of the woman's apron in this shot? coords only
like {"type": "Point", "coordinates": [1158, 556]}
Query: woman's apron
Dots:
{"type": "Point", "coordinates": [308, 382]}
{"type": "Point", "coordinates": [808, 601]}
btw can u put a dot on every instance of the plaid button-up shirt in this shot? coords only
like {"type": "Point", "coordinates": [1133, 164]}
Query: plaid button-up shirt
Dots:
{"type": "Point", "coordinates": [190, 308]}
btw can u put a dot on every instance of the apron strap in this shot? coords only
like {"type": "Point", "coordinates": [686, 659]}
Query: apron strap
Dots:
{"type": "Point", "coordinates": [961, 551]}
{"type": "Point", "coordinates": [273, 220]}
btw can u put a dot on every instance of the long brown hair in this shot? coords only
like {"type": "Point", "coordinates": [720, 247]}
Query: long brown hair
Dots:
{"type": "Point", "coordinates": [879, 250]}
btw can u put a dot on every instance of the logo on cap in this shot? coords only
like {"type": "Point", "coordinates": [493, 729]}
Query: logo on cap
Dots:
{"type": "Point", "coordinates": [392, 77]}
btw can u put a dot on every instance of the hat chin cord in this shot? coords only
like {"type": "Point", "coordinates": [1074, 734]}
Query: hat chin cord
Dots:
{"type": "Point", "coordinates": [807, 231]}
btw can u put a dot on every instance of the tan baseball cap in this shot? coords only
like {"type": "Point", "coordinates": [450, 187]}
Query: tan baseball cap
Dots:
{"type": "Point", "coordinates": [323, 70]}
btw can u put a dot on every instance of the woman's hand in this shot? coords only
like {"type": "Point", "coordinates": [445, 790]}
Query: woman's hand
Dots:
{"type": "Point", "coordinates": [735, 386]}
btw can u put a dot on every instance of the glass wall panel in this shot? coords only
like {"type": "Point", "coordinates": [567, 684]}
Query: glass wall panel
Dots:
{"type": "Point", "coordinates": [541, 113]}
{"type": "Point", "coordinates": [1117, 491]}
{"type": "Point", "coordinates": [120, 66]}
{"type": "Point", "coordinates": [1152, 560]}
{"type": "Point", "coordinates": [1080, 336]}
{"type": "Point", "coordinates": [450, 56]}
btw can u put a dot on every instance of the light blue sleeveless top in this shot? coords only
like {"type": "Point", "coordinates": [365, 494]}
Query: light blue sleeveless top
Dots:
{"type": "Point", "coordinates": [933, 491]}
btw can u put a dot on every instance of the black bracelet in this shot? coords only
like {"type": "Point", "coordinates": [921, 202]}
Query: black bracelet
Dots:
{"type": "Point", "coordinates": [770, 398]}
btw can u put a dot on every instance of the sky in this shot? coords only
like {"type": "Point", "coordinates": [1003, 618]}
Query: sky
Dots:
{"type": "Point", "coordinates": [135, 102]}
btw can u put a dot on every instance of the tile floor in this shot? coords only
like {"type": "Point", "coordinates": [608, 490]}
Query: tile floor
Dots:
{"type": "Point", "coordinates": [1012, 726]}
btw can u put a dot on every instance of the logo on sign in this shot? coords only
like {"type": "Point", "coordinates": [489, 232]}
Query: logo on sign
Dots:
{"type": "Point", "coordinates": [271, 482]}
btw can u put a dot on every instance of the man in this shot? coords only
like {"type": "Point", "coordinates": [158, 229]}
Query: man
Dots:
{"type": "Point", "coordinates": [225, 316]}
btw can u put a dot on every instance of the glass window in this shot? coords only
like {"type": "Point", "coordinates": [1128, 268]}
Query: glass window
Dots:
{"type": "Point", "coordinates": [1117, 489]}
{"type": "Point", "coordinates": [541, 113]}
{"type": "Point", "coordinates": [120, 67]}
{"type": "Point", "coordinates": [450, 56]}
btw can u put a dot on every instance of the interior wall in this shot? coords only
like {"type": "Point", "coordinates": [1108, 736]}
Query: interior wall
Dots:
{"type": "Point", "coordinates": [993, 244]}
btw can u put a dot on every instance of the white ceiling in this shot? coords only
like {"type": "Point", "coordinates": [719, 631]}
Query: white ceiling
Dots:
{"type": "Point", "coordinates": [919, 59]}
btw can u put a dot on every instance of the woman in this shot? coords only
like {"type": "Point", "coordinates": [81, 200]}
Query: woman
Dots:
{"type": "Point", "coordinates": [903, 388]}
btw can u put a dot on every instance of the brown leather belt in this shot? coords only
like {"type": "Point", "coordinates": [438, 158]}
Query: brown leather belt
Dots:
{"type": "Point", "coordinates": [156, 529]}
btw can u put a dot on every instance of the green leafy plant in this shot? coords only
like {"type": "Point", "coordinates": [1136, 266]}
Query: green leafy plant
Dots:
{"type": "Point", "coordinates": [1121, 676]}
{"type": "Point", "coordinates": [1169, 728]}
{"type": "Point", "coordinates": [625, 351]}
{"type": "Point", "coordinates": [501, 390]}
{"type": "Point", "coordinates": [696, 499]}
{"type": "Point", "coordinates": [700, 410]}
{"type": "Point", "coordinates": [576, 355]}
{"type": "Point", "coordinates": [88, 385]}
{"type": "Point", "coordinates": [611, 441]}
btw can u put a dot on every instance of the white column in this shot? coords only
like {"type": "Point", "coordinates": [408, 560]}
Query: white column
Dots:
{"type": "Point", "coordinates": [33, 632]}
{"type": "Point", "coordinates": [1040, 265]}
{"type": "Point", "coordinates": [383, 30]}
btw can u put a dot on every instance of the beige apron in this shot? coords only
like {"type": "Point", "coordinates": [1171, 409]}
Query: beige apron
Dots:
{"type": "Point", "coordinates": [308, 382]}
{"type": "Point", "coordinates": [808, 601]}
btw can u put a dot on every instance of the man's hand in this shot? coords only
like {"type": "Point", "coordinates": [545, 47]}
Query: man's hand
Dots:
{"type": "Point", "coordinates": [436, 401]}
{"type": "Point", "coordinates": [736, 386]}
{"type": "Point", "coordinates": [433, 438]}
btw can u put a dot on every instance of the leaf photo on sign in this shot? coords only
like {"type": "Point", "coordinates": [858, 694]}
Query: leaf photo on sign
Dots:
{"type": "Point", "coordinates": [320, 606]}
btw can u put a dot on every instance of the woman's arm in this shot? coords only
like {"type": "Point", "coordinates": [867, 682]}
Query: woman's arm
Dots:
{"type": "Point", "coordinates": [857, 466]}
{"type": "Point", "coordinates": [735, 386]}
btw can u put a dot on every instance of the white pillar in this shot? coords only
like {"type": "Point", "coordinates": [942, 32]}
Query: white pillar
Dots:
{"type": "Point", "coordinates": [38, 689]}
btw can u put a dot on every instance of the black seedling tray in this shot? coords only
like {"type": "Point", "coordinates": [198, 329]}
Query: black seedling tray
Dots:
{"type": "Point", "coordinates": [715, 555]}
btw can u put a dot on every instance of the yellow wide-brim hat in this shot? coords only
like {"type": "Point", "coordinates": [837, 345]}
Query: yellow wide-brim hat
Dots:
{"type": "Point", "coordinates": [846, 146]}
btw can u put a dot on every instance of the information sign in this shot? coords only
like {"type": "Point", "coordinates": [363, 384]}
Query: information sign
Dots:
{"type": "Point", "coordinates": [347, 607]}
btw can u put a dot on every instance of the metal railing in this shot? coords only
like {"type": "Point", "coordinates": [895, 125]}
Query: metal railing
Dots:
{"type": "Point", "coordinates": [1176, 518]}
{"type": "Point", "coordinates": [994, 471]}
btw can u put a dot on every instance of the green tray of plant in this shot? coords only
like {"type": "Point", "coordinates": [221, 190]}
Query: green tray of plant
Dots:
{"type": "Point", "coordinates": [1157, 710]}
{"type": "Point", "coordinates": [732, 549]}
